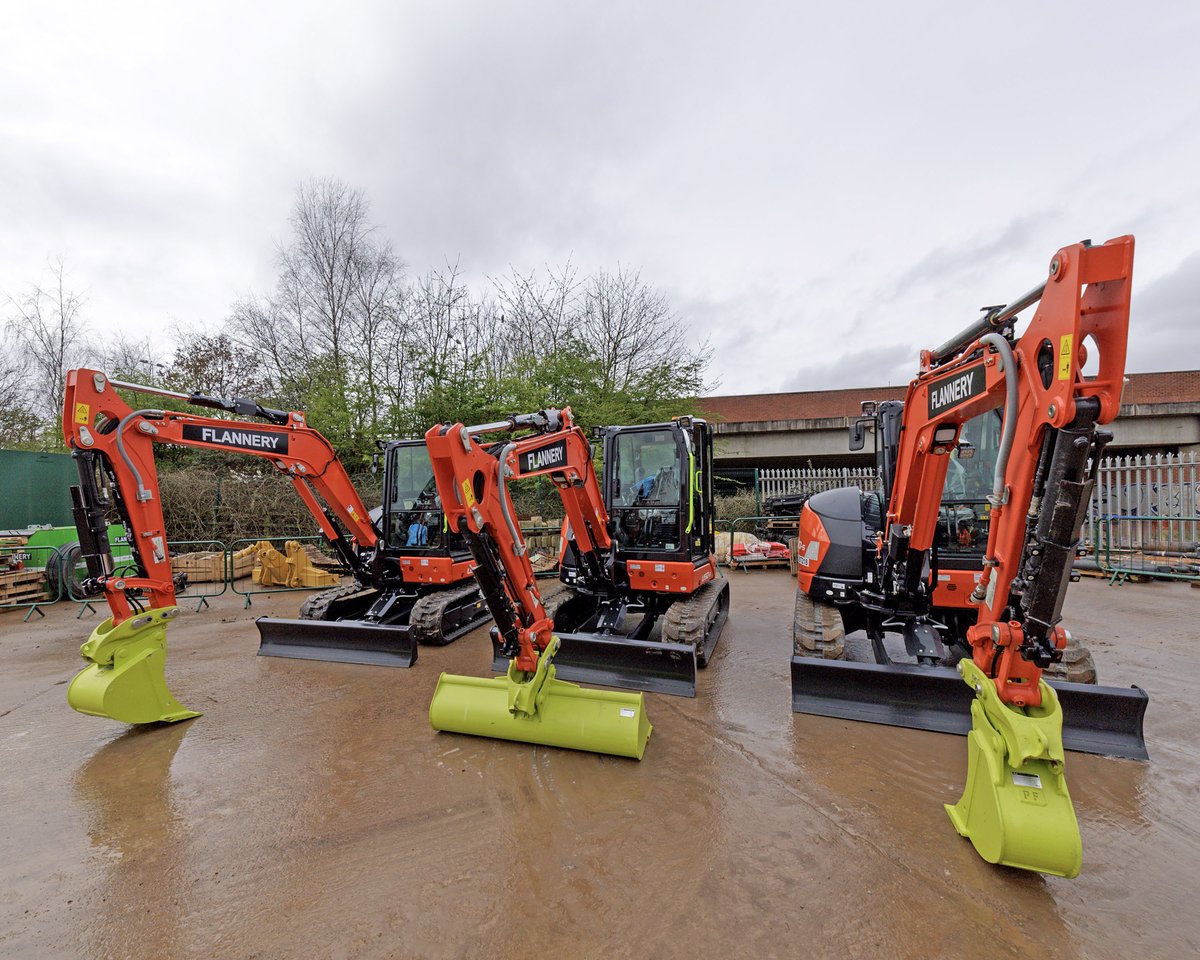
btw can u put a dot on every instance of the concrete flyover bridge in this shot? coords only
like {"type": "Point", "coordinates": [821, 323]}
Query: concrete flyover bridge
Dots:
{"type": "Point", "coordinates": [1160, 413]}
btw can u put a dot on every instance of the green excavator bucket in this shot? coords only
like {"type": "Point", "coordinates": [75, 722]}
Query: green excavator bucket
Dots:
{"type": "Point", "coordinates": [1015, 808]}
{"type": "Point", "coordinates": [539, 708]}
{"type": "Point", "coordinates": [124, 679]}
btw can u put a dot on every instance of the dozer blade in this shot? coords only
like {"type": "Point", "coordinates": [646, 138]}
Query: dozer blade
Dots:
{"type": "Point", "coordinates": [542, 709]}
{"type": "Point", "coordinates": [610, 661]}
{"type": "Point", "coordinates": [125, 679]}
{"type": "Point", "coordinates": [1101, 720]}
{"type": "Point", "coordinates": [338, 641]}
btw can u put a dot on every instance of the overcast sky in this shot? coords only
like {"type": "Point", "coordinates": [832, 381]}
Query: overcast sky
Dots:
{"type": "Point", "coordinates": [821, 190]}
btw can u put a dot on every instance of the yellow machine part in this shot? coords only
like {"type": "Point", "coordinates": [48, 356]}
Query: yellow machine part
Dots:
{"type": "Point", "coordinates": [1015, 808]}
{"type": "Point", "coordinates": [125, 679]}
{"type": "Point", "coordinates": [539, 708]}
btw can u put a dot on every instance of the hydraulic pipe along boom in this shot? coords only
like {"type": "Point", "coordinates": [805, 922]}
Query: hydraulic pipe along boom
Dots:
{"type": "Point", "coordinates": [994, 319]}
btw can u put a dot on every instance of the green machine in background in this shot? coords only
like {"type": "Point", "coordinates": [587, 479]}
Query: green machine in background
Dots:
{"type": "Point", "coordinates": [56, 551]}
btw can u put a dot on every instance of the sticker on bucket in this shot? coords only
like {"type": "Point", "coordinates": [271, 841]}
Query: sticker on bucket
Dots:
{"type": "Point", "coordinates": [627, 712]}
{"type": "Point", "coordinates": [1027, 780]}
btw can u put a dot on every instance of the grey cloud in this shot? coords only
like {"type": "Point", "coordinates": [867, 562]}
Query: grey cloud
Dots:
{"type": "Point", "coordinates": [977, 257]}
{"type": "Point", "coordinates": [1164, 324]}
{"type": "Point", "coordinates": [871, 367]}
{"type": "Point", "coordinates": [801, 187]}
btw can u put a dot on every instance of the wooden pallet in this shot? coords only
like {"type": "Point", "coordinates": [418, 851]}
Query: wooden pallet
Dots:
{"type": "Point", "coordinates": [22, 586]}
{"type": "Point", "coordinates": [200, 567]}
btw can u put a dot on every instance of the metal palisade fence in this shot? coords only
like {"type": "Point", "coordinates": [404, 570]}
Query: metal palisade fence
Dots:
{"type": "Point", "coordinates": [1144, 518]}
{"type": "Point", "coordinates": [810, 480]}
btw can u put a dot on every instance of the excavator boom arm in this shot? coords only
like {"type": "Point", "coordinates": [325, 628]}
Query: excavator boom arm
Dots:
{"type": "Point", "coordinates": [112, 441]}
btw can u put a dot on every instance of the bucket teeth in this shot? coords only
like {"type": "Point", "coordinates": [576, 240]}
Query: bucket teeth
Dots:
{"type": "Point", "coordinates": [125, 678]}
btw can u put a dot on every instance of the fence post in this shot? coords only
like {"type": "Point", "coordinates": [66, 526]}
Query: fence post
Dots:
{"type": "Point", "coordinates": [757, 498]}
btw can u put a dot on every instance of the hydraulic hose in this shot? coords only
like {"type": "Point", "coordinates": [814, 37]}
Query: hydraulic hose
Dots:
{"type": "Point", "coordinates": [518, 541]}
{"type": "Point", "coordinates": [1008, 367]}
{"type": "Point", "coordinates": [142, 493]}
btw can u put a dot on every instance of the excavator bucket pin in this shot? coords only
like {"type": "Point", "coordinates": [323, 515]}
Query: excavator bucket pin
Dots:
{"type": "Point", "coordinates": [1015, 808]}
{"type": "Point", "coordinates": [542, 709]}
{"type": "Point", "coordinates": [125, 680]}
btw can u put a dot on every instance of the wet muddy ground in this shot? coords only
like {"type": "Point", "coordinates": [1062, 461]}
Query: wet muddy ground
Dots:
{"type": "Point", "coordinates": [311, 812]}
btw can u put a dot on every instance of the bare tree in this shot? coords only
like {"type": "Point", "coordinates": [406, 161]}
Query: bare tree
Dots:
{"type": "Point", "coordinates": [214, 364]}
{"type": "Point", "coordinates": [539, 311]}
{"type": "Point", "coordinates": [48, 327]}
{"type": "Point", "coordinates": [631, 329]}
{"type": "Point", "coordinates": [19, 423]}
{"type": "Point", "coordinates": [376, 278]}
{"type": "Point", "coordinates": [127, 358]}
{"type": "Point", "coordinates": [321, 267]}
{"type": "Point", "coordinates": [330, 327]}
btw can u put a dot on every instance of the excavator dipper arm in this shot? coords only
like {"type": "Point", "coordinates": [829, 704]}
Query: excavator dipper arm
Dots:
{"type": "Point", "coordinates": [473, 480]}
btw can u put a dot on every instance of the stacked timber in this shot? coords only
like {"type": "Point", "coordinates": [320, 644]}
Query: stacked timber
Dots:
{"type": "Point", "coordinates": [200, 567]}
{"type": "Point", "coordinates": [209, 566]}
{"type": "Point", "coordinates": [20, 585]}
{"type": "Point", "coordinates": [320, 560]}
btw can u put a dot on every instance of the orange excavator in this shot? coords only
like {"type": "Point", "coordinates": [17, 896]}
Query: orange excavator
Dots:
{"type": "Point", "coordinates": [403, 592]}
{"type": "Point", "coordinates": [652, 565]}
{"type": "Point", "coordinates": [903, 562]}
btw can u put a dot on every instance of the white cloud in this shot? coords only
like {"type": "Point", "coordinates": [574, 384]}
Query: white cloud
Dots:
{"type": "Point", "coordinates": [814, 187]}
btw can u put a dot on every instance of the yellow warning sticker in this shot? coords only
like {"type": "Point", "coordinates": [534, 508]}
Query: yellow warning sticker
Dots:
{"type": "Point", "coordinates": [83, 413]}
{"type": "Point", "coordinates": [1065, 344]}
{"type": "Point", "coordinates": [468, 494]}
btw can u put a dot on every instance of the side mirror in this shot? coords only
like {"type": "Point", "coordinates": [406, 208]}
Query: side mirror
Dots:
{"type": "Point", "coordinates": [858, 435]}
{"type": "Point", "coordinates": [375, 463]}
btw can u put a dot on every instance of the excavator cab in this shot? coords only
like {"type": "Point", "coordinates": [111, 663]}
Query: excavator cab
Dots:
{"type": "Point", "coordinates": [657, 617]}
{"type": "Point", "coordinates": [412, 512]}
{"type": "Point", "coordinates": [657, 491]}
{"type": "Point", "coordinates": [415, 589]}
